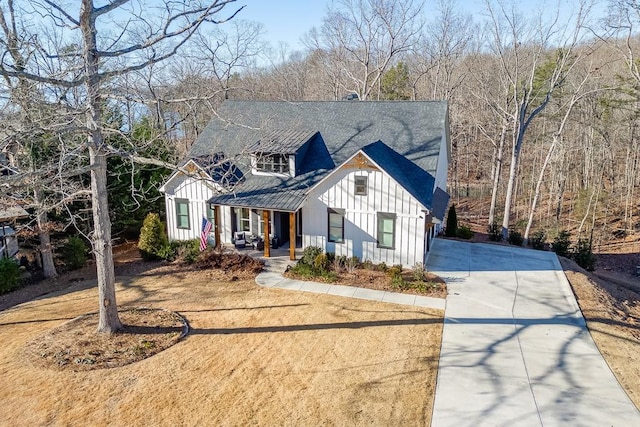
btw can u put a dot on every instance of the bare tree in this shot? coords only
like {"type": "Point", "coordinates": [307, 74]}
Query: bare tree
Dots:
{"type": "Point", "coordinates": [101, 43]}
{"type": "Point", "coordinates": [564, 110]}
{"type": "Point", "coordinates": [364, 37]}
{"type": "Point", "coordinates": [24, 95]}
{"type": "Point", "coordinates": [535, 58]}
{"type": "Point", "coordinates": [443, 46]}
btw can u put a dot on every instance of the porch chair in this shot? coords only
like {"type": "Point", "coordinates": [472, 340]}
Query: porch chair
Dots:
{"type": "Point", "coordinates": [239, 239]}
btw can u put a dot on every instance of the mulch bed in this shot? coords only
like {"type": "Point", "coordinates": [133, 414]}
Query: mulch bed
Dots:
{"type": "Point", "coordinates": [76, 346]}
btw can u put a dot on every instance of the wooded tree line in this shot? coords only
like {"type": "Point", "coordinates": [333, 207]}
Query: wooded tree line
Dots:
{"type": "Point", "coordinates": [543, 103]}
{"type": "Point", "coordinates": [543, 106]}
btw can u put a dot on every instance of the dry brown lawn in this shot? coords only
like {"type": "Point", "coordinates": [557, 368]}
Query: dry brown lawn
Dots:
{"type": "Point", "coordinates": [254, 356]}
{"type": "Point", "coordinates": [612, 311]}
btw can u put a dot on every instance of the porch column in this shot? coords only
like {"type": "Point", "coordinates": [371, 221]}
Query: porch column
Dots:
{"type": "Point", "coordinates": [292, 236]}
{"type": "Point", "coordinates": [267, 231]}
{"type": "Point", "coordinates": [216, 226]}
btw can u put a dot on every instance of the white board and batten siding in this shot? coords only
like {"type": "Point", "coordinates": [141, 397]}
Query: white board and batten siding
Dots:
{"type": "Point", "coordinates": [384, 195]}
{"type": "Point", "coordinates": [197, 192]}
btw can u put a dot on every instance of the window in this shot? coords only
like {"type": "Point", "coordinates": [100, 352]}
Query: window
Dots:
{"type": "Point", "coordinates": [182, 213]}
{"type": "Point", "coordinates": [336, 225]}
{"type": "Point", "coordinates": [257, 222]}
{"type": "Point", "coordinates": [361, 186]}
{"type": "Point", "coordinates": [211, 214]}
{"type": "Point", "coordinates": [277, 163]}
{"type": "Point", "coordinates": [244, 219]}
{"type": "Point", "coordinates": [386, 230]}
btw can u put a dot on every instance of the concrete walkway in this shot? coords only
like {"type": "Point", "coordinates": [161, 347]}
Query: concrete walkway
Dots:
{"type": "Point", "coordinates": [515, 349]}
{"type": "Point", "coordinates": [272, 277]}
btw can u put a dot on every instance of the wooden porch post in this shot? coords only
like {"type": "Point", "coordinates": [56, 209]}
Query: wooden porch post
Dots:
{"type": "Point", "coordinates": [267, 231]}
{"type": "Point", "coordinates": [216, 226]}
{"type": "Point", "coordinates": [292, 236]}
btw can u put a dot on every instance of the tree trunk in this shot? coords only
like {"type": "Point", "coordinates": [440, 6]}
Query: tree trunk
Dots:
{"type": "Point", "coordinates": [536, 195]}
{"type": "Point", "coordinates": [497, 170]}
{"type": "Point", "coordinates": [48, 266]}
{"type": "Point", "coordinates": [103, 252]}
{"type": "Point", "coordinates": [513, 175]}
{"type": "Point", "coordinates": [109, 321]}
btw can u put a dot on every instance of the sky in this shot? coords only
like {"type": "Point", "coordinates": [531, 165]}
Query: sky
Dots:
{"type": "Point", "coordinates": [285, 20]}
{"type": "Point", "coordinates": [288, 20]}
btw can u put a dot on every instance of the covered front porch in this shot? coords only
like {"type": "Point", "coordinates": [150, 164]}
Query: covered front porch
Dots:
{"type": "Point", "coordinates": [263, 231]}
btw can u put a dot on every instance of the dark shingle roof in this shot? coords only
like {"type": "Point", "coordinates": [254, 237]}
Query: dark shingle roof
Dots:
{"type": "Point", "coordinates": [281, 141]}
{"type": "Point", "coordinates": [413, 129]}
{"type": "Point", "coordinates": [440, 203]}
{"type": "Point", "coordinates": [417, 181]}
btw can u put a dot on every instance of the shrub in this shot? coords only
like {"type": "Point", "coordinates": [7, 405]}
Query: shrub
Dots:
{"type": "Point", "coordinates": [398, 282]}
{"type": "Point", "coordinates": [464, 232]}
{"type": "Point", "coordinates": [368, 265]}
{"type": "Point", "coordinates": [583, 255]}
{"type": "Point", "coordinates": [304, 270]}
{"type": "Point", "coordinates": [394, 271]}
{"type": "Point", "coordinates": [515, 238]}
{"type": "Point", "coordinates": [167, 252]}
{"type": "Point", "coordinates": [9, 275]}
{"type": "Point", "coordinates": [321, 263]}
{"type": "Point", "coordinates": [452, 222]}
{"type": "Point", "coordinates": [418, 272]}
{"type": "Point", "coordinates": [74, 252]}
{"type": "Point", "coordinates": [352, 263]}
{"type": "Point", "coordinates": [538, 240]}
{"type": "Point", "coordinates": [495, 232]}
{"type": "Point", "coordinates": [186, 251]}
{"type": "Point", "coordinates": [339, 263]}
{"type": "Point", "coordinates": [561, 243]}
{"type": "Point", "coordinates": [153, 239]}
{"type": "Point", "coordinates": [310, 254]}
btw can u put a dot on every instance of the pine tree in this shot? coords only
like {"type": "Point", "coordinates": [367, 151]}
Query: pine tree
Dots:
{"type": "Point", "coordinates": [452, 222]}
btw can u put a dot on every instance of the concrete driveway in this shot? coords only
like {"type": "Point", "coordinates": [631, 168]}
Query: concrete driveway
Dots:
{"type": "Point", "coordinates": [515, 348]}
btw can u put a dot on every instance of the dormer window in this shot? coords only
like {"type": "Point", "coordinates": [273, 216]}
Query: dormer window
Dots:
{"type": "Point", "coordinates": [273, 163]}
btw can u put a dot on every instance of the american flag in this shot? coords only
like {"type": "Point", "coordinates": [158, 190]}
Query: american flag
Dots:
{"type": "Point", "coordinates": [206, 228]}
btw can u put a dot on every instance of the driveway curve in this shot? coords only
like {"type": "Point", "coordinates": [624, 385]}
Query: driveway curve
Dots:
{"type": "Point", "coordinates": [515, 348]}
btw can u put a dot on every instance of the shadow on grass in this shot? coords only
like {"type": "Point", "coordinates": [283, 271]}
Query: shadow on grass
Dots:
{"type": "Point", "coordinates": [26, 322]}
{"type": "Point", "coordinates": [314, 327]}
{"type": "Point", "coordinates": [260, 307]}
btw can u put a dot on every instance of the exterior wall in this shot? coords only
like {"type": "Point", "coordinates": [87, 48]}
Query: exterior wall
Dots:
{"type": "Point", "coordinates": [360, 220]}
{"type": "Point", "coordinates": [197, 192]}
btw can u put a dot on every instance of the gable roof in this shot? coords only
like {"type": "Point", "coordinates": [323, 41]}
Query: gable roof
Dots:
{"type": "Point", "coordinates": [418, 182]}
{"type": "Point", "coordinates": [335, 130]}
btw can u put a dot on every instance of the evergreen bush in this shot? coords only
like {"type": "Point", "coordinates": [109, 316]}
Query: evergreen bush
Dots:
{"type": "Point", "coordinates": [153, 241]}
{"type": "Point", "coordinates": [464, 232]}
{"type": "Point", "coordinates": [452, 222]}
{"type": "Point", "coordinates": [321, 263]}
{"type": "Point", "coordinates": [538, 240]}
{"type": "Point", "coordinates": [561, 243]}
{"type": "Point", "coordinates": [583, 255]}
{"type": "Point", "coordinates": [9, 275]}
{"type": "Point", "coordinates": [515, 238]}
{"type": "Point", "coordinates": [310, 254]}
{"type": "Point", "coordinates": [74, 253]}
{"type": "Point", "coordinates": [495, 233]}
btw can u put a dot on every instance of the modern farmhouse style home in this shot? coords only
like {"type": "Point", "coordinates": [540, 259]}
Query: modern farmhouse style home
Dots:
{"type": "Point", "coordinates": [363, 178]}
